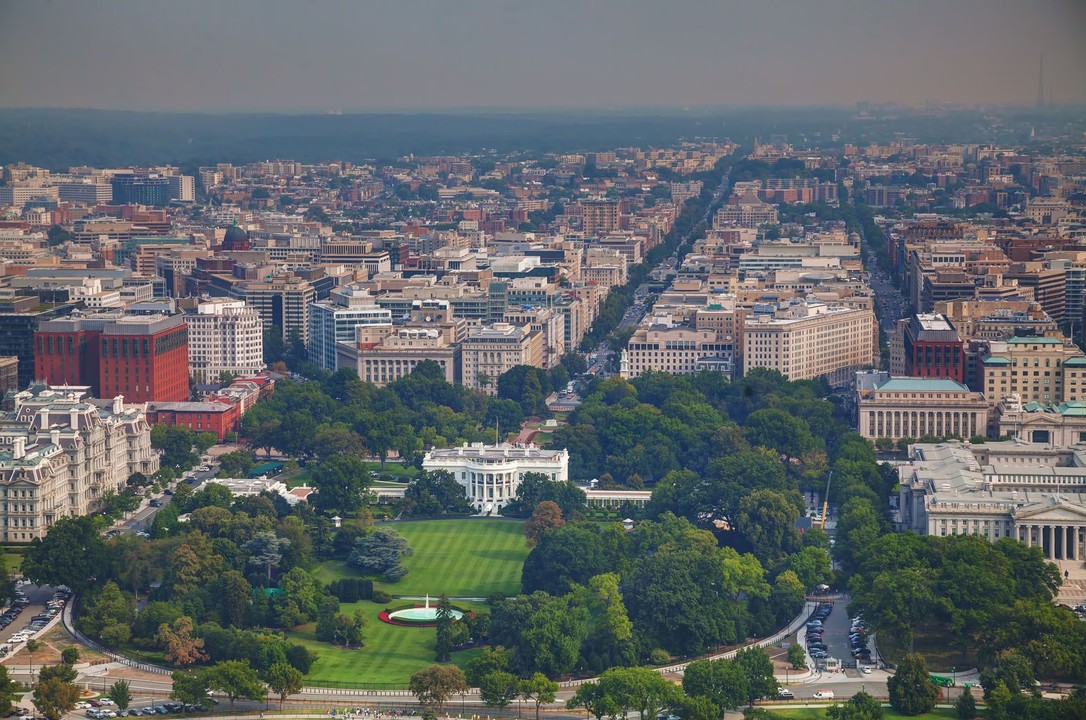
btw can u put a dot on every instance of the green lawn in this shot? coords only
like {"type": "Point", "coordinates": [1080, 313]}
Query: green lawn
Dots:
{"type": "Point", "coordinates": [391, 654]}
{"type": "Point", "coordinates": [887, 713]}
{"type": "Point", "coordinates": [929, 639]}
{"type": "Point", "coordinates": [12, 560]}
{"type": "Point", "coordinates": [460, 558]}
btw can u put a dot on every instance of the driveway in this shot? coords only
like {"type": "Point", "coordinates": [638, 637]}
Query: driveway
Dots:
{"type": "Point", "coordinates": [38, 596]}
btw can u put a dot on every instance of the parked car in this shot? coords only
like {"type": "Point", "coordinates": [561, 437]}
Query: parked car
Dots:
{"type": "Point", "coordinates": [823, 694]}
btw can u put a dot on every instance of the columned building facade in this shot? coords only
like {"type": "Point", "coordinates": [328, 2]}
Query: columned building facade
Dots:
{"type": "Point", "coordinates": [915, 407]}
{"type": "Point", "coordinates": [1032, 493]}
{"type": "Point", "coordinates": [491, 474]}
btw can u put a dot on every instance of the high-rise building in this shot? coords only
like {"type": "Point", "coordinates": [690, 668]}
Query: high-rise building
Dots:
{"type": "Point", "coordinates": [336, 320]}
{"type": "Point", "coordinates": [601, 216]}
{"type": "Point", "coordinates": [142, 357]}
{"type": "Point", "coordinates": [282, 301]}
{"type": "Point", "coordinates": [20, 317]}
{"type": "Point", "coordinates": [489, 352]}
{"type": "Point", "coordinates": [1035, 369]}
{"type": "Point", "coordinates": [811, 340]}
{"type": "Point", "coordinates": [182, 188]}
{"type": "Point", "coordinates": [131, 189]}
{"type": "Point", "coordinates": [933, 349]}
{"type": "Point", "coordinates": [225, 336]}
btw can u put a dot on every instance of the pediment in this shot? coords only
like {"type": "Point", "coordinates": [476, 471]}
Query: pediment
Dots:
{"type": "Point", "coordinates": [1051, 513]}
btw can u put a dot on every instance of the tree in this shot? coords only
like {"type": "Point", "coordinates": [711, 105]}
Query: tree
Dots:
{"type": "Point", "coordinates": [498, 688]}
{"type": "Point", "coordinates": [72, 553]}
{"type": "Point", "coordinates": [32, 646]}
{"type": "Point", "coordinates": [811, 565]}
{"type": "Point", "coordinates": [860, 706]}
{"type": "Point", "coordinates": [594, 698]}
{"type": "Point", "coordinates": [966, 705]}
{"type": "Point", "coordinates": [433, 686]}
{"type": "Point", "coordinates": [284, 680]}
{"type": "Point", "coordinates": [181, 648]}
{"type": "Point", "coordinates": [539, 689]}
{"type": "Point", "coordinates": [758, 670]}
{"type": "Point", "coordinates": [190, 686]}
{"type": "Point", "coordinates": [121, 694]}
{"type": "Point", "coordinates": [266, 550]}
{"type": "Point", "coordinates": [638, 688]}
{"type": "Point", "coordinates": [435, 493]}
{"type": "Point", "coordinates": [327, 609]}
{"type": "Point", "coordinates": [797, 656]}
{"type": "Point", "coordinates": [444, 627]}
{"type": "Point", "coordinates": [235, 678]}
{"type": "Point", "coordinates": [8, 688]}
{"type": "Point", "coordinates": [341, 482]}
{"type": "Point", "coordinates": [911, 690]}
{"type": "Point", "coordinates": [492, 658]}
{"type": "Point", "coordinates": [64, 672]}
{"type": "Point", "coordinates": [768, 519]}
{"type": "Point", "coordinates": [546, 515]}
{"type": "Point", "coordinates": [55, 698]}
{"type": "Point", "coordinates": [69, 655]}
{"type": "Point", "coordinates": [381, 551]}
{"type": "Point", "coordinates": [998, 700]}
{"type": "Point", "coordinates": [108, 615]}
{"type": "Point", "coordinates": [722, 682]}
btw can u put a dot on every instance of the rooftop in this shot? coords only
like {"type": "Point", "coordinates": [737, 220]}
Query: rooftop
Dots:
{"type": "Point", "coordinates": [920, 384]}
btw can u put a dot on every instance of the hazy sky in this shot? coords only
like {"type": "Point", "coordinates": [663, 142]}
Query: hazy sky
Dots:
{"type": "Point", "coordinates": [316, 55]}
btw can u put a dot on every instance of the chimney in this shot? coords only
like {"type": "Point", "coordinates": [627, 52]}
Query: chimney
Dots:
{"type": "Point", "coordinates": [118, 405]}
{"type": "Point", "coordinates": [18, 448]}
{"type": "Point", "coordinates": [73, 416]}
{"type": "Point", "coordinates": [54, 436]}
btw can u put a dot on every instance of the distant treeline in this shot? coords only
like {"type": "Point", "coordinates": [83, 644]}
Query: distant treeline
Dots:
{"type": "Point", "coordinates": [58, 138]}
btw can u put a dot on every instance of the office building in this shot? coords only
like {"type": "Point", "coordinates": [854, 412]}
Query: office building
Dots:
{"type": "Point", "coordinates": [917, 407]}
{"type": "Point", "coordinates": [134, 189]}
{"type": "Point", "coordinates": [1035, 369]}
{"type": "Point", "coordinates": [932, 348]}
{"type": "Point", "coordinates": [491, 474]}
{"type": "Point", "coordinates": [20, 317]}
{"type": "Point", "coordinates": [806, 340]}
{"type": "Point", "coordinates": [601, 216]}
{"type": "Point", "coordinates": [335, 320]}
{"type": "Point", "coordinates": [60, 453]}
{"type": "Point", "coordinates": [1032, 493]}
{"type": "Point", "coordinates": [490, 351]}
{"type": "Point", "coordinates": [282, 301]}
{"type": "Point", "coordinates": [142, 357]}
{"type": "Point", "coordinates": [225, 336]}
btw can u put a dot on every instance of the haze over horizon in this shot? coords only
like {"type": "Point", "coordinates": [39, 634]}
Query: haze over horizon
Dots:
{"type": "Point", "coordinates": [432, 55]}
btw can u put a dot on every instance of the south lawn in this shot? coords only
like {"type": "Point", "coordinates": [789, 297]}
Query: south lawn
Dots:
{"type": "Point", "coordinates": [460, 558]}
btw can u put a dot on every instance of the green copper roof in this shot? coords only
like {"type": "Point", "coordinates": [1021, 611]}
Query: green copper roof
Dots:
{"type": "Point", "coordinates": [1034, 341]}
{"type": "Point", "coordinates": [996, 360]}
{"type": "Point", "coordinates": [1077, 361]}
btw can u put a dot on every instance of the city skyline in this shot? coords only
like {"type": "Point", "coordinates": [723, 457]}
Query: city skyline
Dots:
{"type": "Point", "coordinates": [433, 56]}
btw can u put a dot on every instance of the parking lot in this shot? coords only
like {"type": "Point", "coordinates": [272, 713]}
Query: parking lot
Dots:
{"type": "Point", "coordinates": [37, 597]}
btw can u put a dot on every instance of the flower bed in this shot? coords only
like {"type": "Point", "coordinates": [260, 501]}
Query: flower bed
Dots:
{"type": "Point", "coordinates": [385, 616]}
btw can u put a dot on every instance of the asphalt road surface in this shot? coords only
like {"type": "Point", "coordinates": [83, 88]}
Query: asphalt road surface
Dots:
{"type": "Point", "coordinates": [37, 596]}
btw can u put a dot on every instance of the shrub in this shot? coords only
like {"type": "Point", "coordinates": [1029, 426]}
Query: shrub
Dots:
{"type": "Point", "coordinates": [659, 656]}
{"type": "Point", "coordinates": [381, 597]}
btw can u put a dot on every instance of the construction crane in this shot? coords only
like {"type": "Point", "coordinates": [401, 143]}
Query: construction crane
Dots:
{"type": "Point", "coordinates": [826, 502]}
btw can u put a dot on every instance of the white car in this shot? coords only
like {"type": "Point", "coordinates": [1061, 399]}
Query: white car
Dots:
{"type": "Point", "coordinates": [866, 671]}
{"type": "Point", "coordinates": [106, 701]}
{"type": "Point", "coordinates": [785, 693]}
{"type": "Point", "coordinates": [823, 694]}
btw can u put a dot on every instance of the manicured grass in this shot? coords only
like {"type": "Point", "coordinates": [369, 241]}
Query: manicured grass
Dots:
{"type": "Point", "coordinates": [930, 640]}
{"type": "Point", "coordinates": [12, 561]}
{"type": "Point", "coordinates": [393, 468]}
{"type": "Point", "coordinates": [391, 654]}
{"type": "Point", "coordinates": [460, 558]}
{"type": "Point", "coordinates": [887, 713]}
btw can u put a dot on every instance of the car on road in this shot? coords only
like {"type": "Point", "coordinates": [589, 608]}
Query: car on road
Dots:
{"type": "Point", "coordinates": [865, 670]}
{"type": "Point", "coordinates": [785, 693]}
{"type": "Point", "coordinates": [823, 694]}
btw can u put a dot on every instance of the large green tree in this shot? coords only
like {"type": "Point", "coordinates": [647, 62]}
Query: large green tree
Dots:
{"type": "Point", "coordinates": [435, 685]}
{"type": "Point", "coordinates": [911, 690]}
{"type": "Point", "coordinates": [72, 553]}
{"type": "Point", "coordinates": [758, 670]}
{"type": "Point", "coordinates": [341, 482]}
{"type": "Point", "coordinates": [283, 680]}
{"type": "Point", "coordinates": [235, 678]}
{"type": "Point", "coordinates": [55, 698]}
{"type": "Point", "coordinates": [498, 688]}
{"type": "Point", "coordinates": [722, 682]}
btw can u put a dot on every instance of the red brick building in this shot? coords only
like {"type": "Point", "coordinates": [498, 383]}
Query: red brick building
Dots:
{"type": "Point", "coordinates": [933, 349]}
{"type": "Point", "coordinates": [216, 417]}
{"type": "Point", "coordinates": [142, 357]}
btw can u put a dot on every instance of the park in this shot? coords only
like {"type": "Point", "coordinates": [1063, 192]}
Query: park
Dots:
{"type": "Point", "coordinates": [459, 558]}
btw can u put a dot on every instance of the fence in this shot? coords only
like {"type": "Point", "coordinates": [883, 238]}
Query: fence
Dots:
{"type": "Point", "coordinates": [69, 625]}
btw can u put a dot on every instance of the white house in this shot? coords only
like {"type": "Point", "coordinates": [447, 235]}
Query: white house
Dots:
{"type": "Point", "coordinates": [491, 474]}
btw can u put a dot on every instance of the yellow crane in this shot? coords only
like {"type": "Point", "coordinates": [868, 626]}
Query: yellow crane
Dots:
{"type": "Point", "coordinates": [826, 502]}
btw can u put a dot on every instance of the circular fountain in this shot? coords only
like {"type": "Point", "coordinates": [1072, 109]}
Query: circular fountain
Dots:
{"type": "Point", "coordinates": [424, 615]}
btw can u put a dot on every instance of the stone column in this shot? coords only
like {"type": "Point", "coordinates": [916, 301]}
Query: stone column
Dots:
{"type": "Point", "coordinates": [1051, 552]}
{"type": "Point", "coordinates": [1070, 535]}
